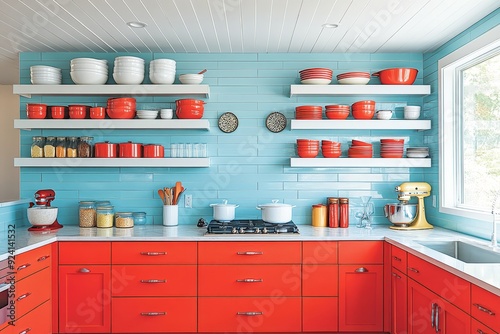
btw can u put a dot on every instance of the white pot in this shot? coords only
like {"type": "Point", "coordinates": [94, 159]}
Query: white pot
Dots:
{"type": "Point", "coordinates": [224, 212]}
{"type": "Point", "coordinates": [276, 213]}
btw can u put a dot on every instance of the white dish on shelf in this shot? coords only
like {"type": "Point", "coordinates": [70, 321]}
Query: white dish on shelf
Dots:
{"type": "Point", "coordinates": [315, 81]}
{"type": "Point", "coordinates": [417, 154]}
{"type": "Point", "coordinates": [354, 81]}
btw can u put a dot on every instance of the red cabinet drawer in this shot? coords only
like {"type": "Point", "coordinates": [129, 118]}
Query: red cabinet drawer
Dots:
{"type": "Point", "coordinates": [399, 259]}
{"type": "Point", "coordinates": [319, 252]}
{"type": "Point", "coordinates": [477, 327]}
{"type": "Point", "coordinates": [37, 321]}
{"type": "Point", "coordinates": [447, 285]}
{"type": "Point", "coordinates": [486, 307]}
{"type": "Point", "coordinates": [361, 252]}
{"type": "Point", "coordinates": [247, 315]}
{"type": "Point", "coordinates": [32, 261]}
{"type": "Point", "coordinates": [153, 315]}
{"type": "Point", "coordinates": [84, 252]}
{"type": "Point", "coordinates": [249, 252]}
{"type": "Point", "coordinates": [320, 314]}
{"type": "Point", "coordinates": [320, 280]}
{"type": "Point", "coordinates": [29, 293]}
{"type": "Point", "coordinates": [161, 280]}
{"type": "Point", "coordinates": [249, 280]}
{"type": "Point", "coordinates": [161, 252]}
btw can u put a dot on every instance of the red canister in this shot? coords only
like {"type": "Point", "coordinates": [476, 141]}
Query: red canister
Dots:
{"type": "Point", "coordinates": [105, 150]}
{"type": "Point", "coordinates": [344, 212]}
{"type": "Point", "coordinates": [58, 112]}
{"type": "Point", "coordinates": [154, 151]}
{"type": "Point", "coordinates": [130, 150]}
{"type": "Point", "coordinates": [333, 212]}
{"type": "Point", "coordinates": [97, 112]}
{"type": "Point", "coordinates": [77, 111]}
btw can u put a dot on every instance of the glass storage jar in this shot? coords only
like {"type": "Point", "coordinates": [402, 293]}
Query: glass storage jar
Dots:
{"type": "Point", "coordinates": [49, 148]}
{"type": "Point", "coordinates": [139, 218]}
{"type": "Point", "coordinates": [71, 147]}
{"type": "Point", "coordinates": [87, 214]}
{"type": "Point", "coordinates": [105, 215]}
{"type": "Point", "coordinates": [37, 147]}
{"type": "Point", "coordinates": [61, 147]}
{"type": "Point", "coordinates": [85, 147]}
{"type": "Point", "coordinates": [124, 219]}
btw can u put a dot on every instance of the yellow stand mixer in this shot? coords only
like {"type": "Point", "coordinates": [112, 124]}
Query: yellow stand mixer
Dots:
{"type": "Point", "coordinates": [406, 191]}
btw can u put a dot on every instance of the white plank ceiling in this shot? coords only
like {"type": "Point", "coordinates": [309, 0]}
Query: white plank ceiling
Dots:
{"type": "Point", "coordinates": [235, 26]}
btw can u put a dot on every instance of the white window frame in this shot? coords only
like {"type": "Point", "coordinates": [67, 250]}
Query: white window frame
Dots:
{"type": "Point", "coordinates": [450, 118]}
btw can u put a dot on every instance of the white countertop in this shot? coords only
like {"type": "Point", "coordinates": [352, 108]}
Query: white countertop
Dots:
{"type": "Point", "coordinates": [484, 275]}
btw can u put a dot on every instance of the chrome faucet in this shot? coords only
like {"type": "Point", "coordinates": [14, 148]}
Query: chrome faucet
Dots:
{"type": "Point", "coordinates": [495, 211]}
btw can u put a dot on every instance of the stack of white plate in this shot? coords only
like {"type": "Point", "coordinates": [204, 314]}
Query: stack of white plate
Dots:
{"type": "Point", "coordinates": [45, 75]}
{"type": "Point", "coordinates": [89, 71]}
{"type": "Point", "coordinates": [128, 70]}
{"type": "Point", "coordinates": [417, 152]}
{"type": "Point", "coordinates": [147, 114]}
{"type": "Point", "coordinates": [162, 71]}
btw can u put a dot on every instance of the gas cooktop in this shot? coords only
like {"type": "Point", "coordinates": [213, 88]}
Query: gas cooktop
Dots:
{"type": "Point", "coordinates": [250, 226]}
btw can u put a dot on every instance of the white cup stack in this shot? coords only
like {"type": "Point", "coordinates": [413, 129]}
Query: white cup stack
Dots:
{"type": "Point", "coordinates": [162, 71]}
{"type": "Point", "coordinates": [89, 71]}
{"type": "Point", "coordinates": [411, 112]}
{"type": "Point", "coordinates": [128, 70]}
{"type": "Point", "coordinates": [45, 75]}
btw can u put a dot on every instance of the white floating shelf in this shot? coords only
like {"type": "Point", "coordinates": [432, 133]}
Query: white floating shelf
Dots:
{"type": "Point", "coordinates": [357, 162]}
{"type": "Point", "coordinates": [29, 90]}
{"type": "Point", "coordinates": [109, 124]}
{"type": "Point", "coordinates": [112, 162]}
{"type": "Point", "coordinates": [358, 124]}
{"type": "Point", "coordinates": [360, 90]}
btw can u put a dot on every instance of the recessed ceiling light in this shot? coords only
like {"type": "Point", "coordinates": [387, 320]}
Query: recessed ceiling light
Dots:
{"type": "Point", "coordinates": [330, 25]}
{"type": "Point", "coordinates": [136, 24]}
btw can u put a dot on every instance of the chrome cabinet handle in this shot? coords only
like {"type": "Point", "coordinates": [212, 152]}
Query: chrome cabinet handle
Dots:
{"type": "Point", "coordinates": [43, 258]}
{"type": "Point", "coordinates": [437, 318]}
{"type": "Point", "coordinates": [153, 253]}
{"type": "Point", "coordinates": [250, 253]}
{"type": "Point", "coordinates": [250, 280]}
{"type": "Point", "coordinates": [250, 314]}
{"type": "Point", "coordinates": [480, 331]}
{"type": "Point", "coordinates": [433, 314]}
{"type": "Point", "coordinates": [84, 270]}
{"type": "Point", "coordinates": [27, 330]}
{"type": "Point", "coordinates": [484, 309]}
{"type": "Point", "coordinates": [153, 281]}
{"type": "Point", "coordinates": [153, 314]}
{"type": "Point", "coordinates": [361, 270]}
{"type": "Point", "coordinates": [396, 258]}
{"type": "Point", "coordinates": [21, 297]}
{"type": "Point", "coordinates": [396, 275]}
{"type": "Point", "coordinates": [24, 266]}
{"type": "Point", "coordinates": [413, 269]}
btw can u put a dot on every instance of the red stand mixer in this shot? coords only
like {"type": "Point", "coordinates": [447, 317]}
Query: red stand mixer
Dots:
{"type": "Point", "coordinates": [43, 198]}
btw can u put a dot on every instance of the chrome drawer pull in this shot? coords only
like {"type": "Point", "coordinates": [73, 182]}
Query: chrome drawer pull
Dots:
{"type": "Point", "coordinates": [250, 253]}
{"type": "Point", "coordinates": [24, 266]}
{"type": "Point", "coordinates": [250, 280]}
{"type": "Point", "coordinates": [27, 330]}
{"type": "Point", "coordinates": [484, 309]}
{"type": "Point", "coordinates": [153, 253]}
{"type": "Point", "coordinates": [396, 275]}
{"type": "Point", "coordinates": [84, 270]}
{"type": "Point", "coordinates": [21, 297]}
{"type": "Point", "coordinates": [153, 314]}
{"type": "Point", "coordinates": [153, 281]}
{"type": "Point", "coordinates": [437, 318]}
{"type": "Point", "coordinates": [413, 269]}
{"type": "Point", "coordinates": [480, 331]}
{"type": "Point", "coordinates": [361, 270]}
{"type": "Point", "coordinates": [250, 314]}
{"type": "Point", "coordinates": [396, 258]}
{"type": "Point", "coordinates": [43, 258]}
{"type": "Point", "coordinates": [433, 314]}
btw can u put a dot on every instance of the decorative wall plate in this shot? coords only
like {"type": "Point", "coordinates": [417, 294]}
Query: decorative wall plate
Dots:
{"type": "Point", "coordinates": [228, 122]}
{"type": "Point", "coordinates": [276, 122]}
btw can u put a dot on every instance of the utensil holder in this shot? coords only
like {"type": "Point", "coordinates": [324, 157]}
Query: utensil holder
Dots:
{"type": "Point", "coordinates": [170, 215]}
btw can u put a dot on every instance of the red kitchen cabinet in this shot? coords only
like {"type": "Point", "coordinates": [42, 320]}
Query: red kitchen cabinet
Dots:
{"type": "Point", "coordinates": [399, 302]}
{"type": "Point", "coordinates": [361, 252]}
{"type": "Point", "coordinates": [153, 252]}
{"type": "Point", "coordinates": [477, 327]}
{"type": "Point", "coordinates": [38, 320]}
{"type": "Point", "coordinates": [429, 313]}
{"type": "Point", "coordinates": [486, 307]}
{"type": "Point", "coordinates": [29, 293]}
{"type": "Point", "coordinates": [84, 252]}
{"type": "Point", "coordinates": [32, 261]}
{"type": "Point", "coordinates": [320, 314]}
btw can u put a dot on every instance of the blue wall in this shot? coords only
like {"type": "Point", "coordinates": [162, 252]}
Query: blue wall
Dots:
{"type": "Point", "coordinates": [249, 166]}
{"type": "Point", "coordinates": [468, 226]}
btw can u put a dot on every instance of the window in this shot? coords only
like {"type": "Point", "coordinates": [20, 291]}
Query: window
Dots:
{"type": "Point", "coordinates": [469, 127]}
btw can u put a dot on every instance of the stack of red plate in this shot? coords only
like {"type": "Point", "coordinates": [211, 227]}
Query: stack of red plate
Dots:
{"type": "Point", "coordinates": [309, 112]}
{"type": "Point", "coordinates": [122, 107]}
{"type": "Point", "coordinates": [363, 109]}
{"type": "Point", "coordinates": [392, 148]}
{"type": "Point", "coordinates": [360, 149]}
{"type": "Point", "coordinates": [353, 78]}
{"type": "Point", "coordinates": [337, 111]}
{"type": "Point", "coordinates": [330, 149]}
{"type": "Point", "coordinates": [307, 148]}
{"type": "Point", "coordinates": [316, 76]}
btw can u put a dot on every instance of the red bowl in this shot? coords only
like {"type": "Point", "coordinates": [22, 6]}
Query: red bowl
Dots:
{"type": "Point", "coordinates": [337, 114]}
{"type": "Point", "coordinates": [97, 112]}
{"type": "Point", "coordinates": [120, 113]}
{"type": "Point", "coordinates": [328, 154]}
{"type": "Point", "coordinates": [78, 111]}
{"type": "Point", "coordinates": [36, 111]}
{"type": "Point", "coordinates": [363, 114]}
{"type": "Point", "coordinates": [397, 76]}
{"type": "Point", "coordinates": [307, 154]}
{"type": "Point", "coordinates": [105, 150]}
{"type": "Point", "coordinates": [183, 102]}
{"type": "Point", "coordinates": [121, 101]}
{"type": "Point", "coordinates": [392, 141]}
{"type": "Point", "coordinates": [188, 114]}
{"type": "Point", "coordinates": [58, 112]}
{"type": "Point", "coordinates": [356, 142]}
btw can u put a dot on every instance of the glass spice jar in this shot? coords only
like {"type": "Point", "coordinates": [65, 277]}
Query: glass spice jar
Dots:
{"type": "Point", "coordinates": [105, 215]}
{"type": "Point", "coordinates": [71, 147]}
{"type": "Point", "coordinates": [139, 218]}
{"type": "Point", "coordinates": [124, 219]}
{"type": "Point", "coordinates": [37, 147]}
{"type": "Point", "coordinates": [87, 214]}
{"type": "Point", "coordinates": [61, 147]}
{"type": "Point", "coordinates": [344, 212]}
{"type": "Point", "coordinates": [49, 148]}
{"type": "Point", "coordinates": [85, 147]}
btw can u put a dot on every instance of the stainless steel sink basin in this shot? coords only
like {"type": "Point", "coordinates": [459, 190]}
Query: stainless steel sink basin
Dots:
{"type": "Point", "coordinates": [463, 251]}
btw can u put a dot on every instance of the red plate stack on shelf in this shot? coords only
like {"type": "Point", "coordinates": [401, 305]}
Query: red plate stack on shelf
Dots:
{"type": "Point", "coordinates": [337, 111]}
{"type": "Point", "coordinates": [392, 148]}
{"type": "Point", "coordinates": [360, 149]}
{"type": "Point", "coordinates": [316, 76]}
{"type": "Point", "coordinates": [353, 78]}
{"type": "Point", "coordinates": [307, 148]}
{"type": "Point", "coordinates": [330, 149]}
{"type": "Point", "coordinates": [309, 112]}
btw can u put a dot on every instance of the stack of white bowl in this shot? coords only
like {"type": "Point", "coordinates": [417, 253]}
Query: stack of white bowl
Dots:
{"type": "Point", "coordinates": [128, 70]}
{"type": "Point", "coordinates": [162, 71]}
{"type": "Point", "coordinates": [89, 71]}
{"type": "Point", "coordinates": [147, 114]}
{"type": "Point", "coordinates": [45, 75]}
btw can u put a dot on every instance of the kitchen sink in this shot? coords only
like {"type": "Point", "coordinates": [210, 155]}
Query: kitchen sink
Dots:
{"type": "Point", "coordinates": [463, 251]}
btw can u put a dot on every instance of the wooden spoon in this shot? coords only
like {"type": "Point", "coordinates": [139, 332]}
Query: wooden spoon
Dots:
{"type": "Point", "coordinates": [161, 193]}
{"type": "Point", "coordinates": [178, 189]}
{"type": "Point", "coordinates": [202, 71]}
